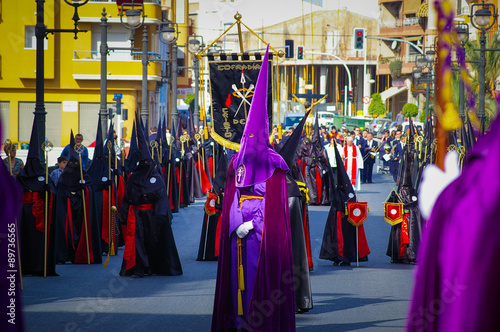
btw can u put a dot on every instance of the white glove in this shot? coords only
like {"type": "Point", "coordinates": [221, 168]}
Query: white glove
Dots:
{"type": "Point", "coordinates": [244, 228]}
{"type": "Point", "coordinates": [435, 180]}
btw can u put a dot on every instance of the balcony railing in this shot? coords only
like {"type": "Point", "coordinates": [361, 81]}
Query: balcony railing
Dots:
{"type": "Point", "coordinates": [145, 1]}
{"type": "Point", "coordinates": [411, 21]}
{"type": "Point", "coordinates": [404, 59]}
{"type": "Point", "coordinates": [391, 24]}
{"type": "Point", "coordinates": [120, 55]}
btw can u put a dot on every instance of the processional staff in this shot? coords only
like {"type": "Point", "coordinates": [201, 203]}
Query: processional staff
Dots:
{"type": "Point", "coordinates": [79, 148]}
{"type": "Point", "coordinates": [47, 146]}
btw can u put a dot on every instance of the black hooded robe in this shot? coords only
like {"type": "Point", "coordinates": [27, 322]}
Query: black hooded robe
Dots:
{"type": "Point", "coordinates": [71, 237]}
{"type": "Point", "coordinates": [149, 242]}
{"type": "Point", "coordinates": [339, 237]}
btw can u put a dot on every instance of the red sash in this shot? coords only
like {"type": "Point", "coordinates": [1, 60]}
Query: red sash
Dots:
{"type": "Point", "coordinates": [38, 209]}
{"type": "Point", "coordinates": [405, 239]}
{"type": "Point", "coordinates": [354, 168]}
{"type": "Point", "coordinates": [307, 238]}
{"type": "Point", "coordinates": [211, 167]}
{"type": "Point", "coordinates": [217, 236]}
{"type": "Point", "coordinates": [81, 248]}
{"type": "Point", "coordinates": [106, 218]}
{"type": "Point", "coordinates": [340, 236]}
{"type": "Point", "coordinates": [129, 252]}
{"type": "Point", "coordinates": [205, 182]}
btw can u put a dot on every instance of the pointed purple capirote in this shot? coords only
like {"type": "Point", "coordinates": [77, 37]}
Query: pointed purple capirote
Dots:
{"type": "Point", "coordinates": [256, 161]}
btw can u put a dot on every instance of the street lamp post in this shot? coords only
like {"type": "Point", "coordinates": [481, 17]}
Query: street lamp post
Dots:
{"type": "Point", "coordinates": [134, 22]}
{"type": "Point", "coordinates": [481, 14]}
{"type": "Point", "coordinates": [103, 111]}
{"type": "Point", "coordinates": [463, 36]}
{"type": "Point", "coordinates": [145, 61]}
{"type": "Point", "coordinates": [168, 35]}
{"type": "Point", "coordinates": [194, 46]}
{"type": "Point", "coordinates": [425, 62]}
{"type": "Point", "coordinates": [41, 33]}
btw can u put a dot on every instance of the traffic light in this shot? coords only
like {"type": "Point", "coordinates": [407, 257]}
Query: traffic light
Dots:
{"type": "Point", "coordinates": [289, 48]}
{"type": "Point", "coordinates": [350, 96]}
{"type": "Point", "coordinates": [342, 96]}
{"type": "Point", "coordinates": [359, 38]}
{"type": "Point", "coordinates": [300, 52]}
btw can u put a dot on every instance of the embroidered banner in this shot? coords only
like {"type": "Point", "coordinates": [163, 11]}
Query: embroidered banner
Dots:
{"type": "Point", "coordinates": [393, 213]}
{"type": "Point", "coordinates": [232, 84]}
{"type": "Point", "coordinates": [356, 212]}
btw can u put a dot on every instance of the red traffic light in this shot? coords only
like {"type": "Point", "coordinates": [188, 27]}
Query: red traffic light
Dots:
{"type": "Point", "coordinates": [359, 33]}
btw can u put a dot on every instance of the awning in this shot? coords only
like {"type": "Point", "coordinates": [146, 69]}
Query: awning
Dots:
{"type": "Point", "coordinates": [413, 38]}
{"type": "Point", "coordinates": [391, 92]}
{"type": "Point", "coordinates": [423, 10]}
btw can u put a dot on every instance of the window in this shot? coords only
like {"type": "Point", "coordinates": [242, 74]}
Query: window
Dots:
{"type": "Point", "coordinates": [52, 121]}
{"type": "Point", "coordinates": [118, 36]}
{"type": "Point", "coordinates": [5, 119]}
{"type": "Point", "coordinates": [88, 116]}
{"type": "Point", "coordinates": [30, 38]}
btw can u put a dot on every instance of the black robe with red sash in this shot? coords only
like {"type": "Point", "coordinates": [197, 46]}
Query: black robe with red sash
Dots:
{"type": "Point", "coordinates": [32, 232]}
{"type": "Point", "coordinates": [149, 241]}
{"type": "Point", "coordinates": [74, 233]}
{"type": "Point", "coordinates": [339, 237]}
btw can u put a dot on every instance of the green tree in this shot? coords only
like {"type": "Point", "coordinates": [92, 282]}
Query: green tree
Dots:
{"type": "Point", "coordinates": [376, 107]}
{"type": "Point", "coordinates": [395, 68]}
{"type": "Point", "coordinates": [492, 71]}
{"type": "Point", "coordinates": [410, 110]}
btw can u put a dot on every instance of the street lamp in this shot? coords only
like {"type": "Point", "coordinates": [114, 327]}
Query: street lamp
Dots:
{"type": "Point", "coordinates": [423, 72]}
{"type": "Point", "coordinates": [133, 22]}
{"type": "Point", "coordinates": [41, 33]}
{"type": "Point", "coordinates": [169, 33]}
{"type": "Point", "coordinates": [481, 18]}
{"type": "Point", "coordinates": [194, 46]}
{"type": "Point", "coordinates": [463, 37]}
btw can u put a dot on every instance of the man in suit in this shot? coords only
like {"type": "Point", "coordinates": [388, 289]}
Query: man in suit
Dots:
{"type": "Point", "coordinates": [360, 142]}
{"type": "Point", "coordinates": [398, 154]}
{"type": "Point", "coordinates": [369, 160]}
{"type": "Point", "coordinates": [394, 161]}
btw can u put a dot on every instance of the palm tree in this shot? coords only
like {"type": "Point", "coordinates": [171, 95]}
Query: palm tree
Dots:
{"type": "Point", "coordinates": [492, 71]}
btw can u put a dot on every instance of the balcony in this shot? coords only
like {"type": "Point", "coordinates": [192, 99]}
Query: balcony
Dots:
{"type": "Point", "coordinates": [407, 68]}
{"type": "Point", "coordinates": [126, 67]}
{"type": "Point", "coordinates": [409, 26]}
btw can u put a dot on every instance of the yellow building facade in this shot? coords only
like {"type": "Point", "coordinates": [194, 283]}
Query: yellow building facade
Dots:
{"type": "Point", "coordinates": [72, 67]}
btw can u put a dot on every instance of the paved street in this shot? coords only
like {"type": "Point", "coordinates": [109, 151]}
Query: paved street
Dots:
{"type": "Point", "coordinates": [372, 297]}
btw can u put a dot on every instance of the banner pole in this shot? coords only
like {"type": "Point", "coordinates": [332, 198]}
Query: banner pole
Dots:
{"type": "Point", "coordinates": [357, 248]}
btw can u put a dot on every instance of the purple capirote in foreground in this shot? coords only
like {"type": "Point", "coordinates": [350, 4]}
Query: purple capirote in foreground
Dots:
{"type": "Point", "coordinates": [457, 280]}
{"type": "Point", "coordinates": [11, 318]}
{"type": "Point", "coordinates": [256, 191]}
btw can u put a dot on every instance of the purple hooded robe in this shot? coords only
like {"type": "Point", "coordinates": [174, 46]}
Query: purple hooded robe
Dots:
{"type": "Point", "coordinates": [256, 191]}
{"type": "Point", "coordinates": [10, 299]}
{"type": "Point", "coordinates": [457, 282]}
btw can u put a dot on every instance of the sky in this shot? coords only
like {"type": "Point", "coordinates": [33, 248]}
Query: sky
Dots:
{"type": "Point", "coordinates": [262, 13]}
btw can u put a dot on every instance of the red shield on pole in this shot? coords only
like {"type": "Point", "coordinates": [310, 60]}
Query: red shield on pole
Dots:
{"type": "Point", "coordinates": [210, 203]}
{"type": "Point", "coordinates": [393, 213]}
{"type": "Point", "coordinates": [356, 212]}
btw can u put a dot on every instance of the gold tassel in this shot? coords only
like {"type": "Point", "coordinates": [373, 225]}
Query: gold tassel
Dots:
{"type": "Point", "coordinates": [241, 278]}
{"type": "Point", "coordinates": [106, 262]}
{"type": "Point", "coordinates": [113, 250]}
{"type": "Point", "coordinates": [240, 304]}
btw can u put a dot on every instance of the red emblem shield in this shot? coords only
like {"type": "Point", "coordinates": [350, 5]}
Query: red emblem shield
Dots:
{"type": "Point", "coordinates": [210, 203]}
{"type": "Point", "coordinates": [356, 212]}
{"type": "Point", "coordinates": [393, 213]}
